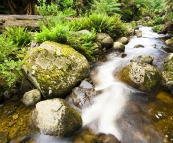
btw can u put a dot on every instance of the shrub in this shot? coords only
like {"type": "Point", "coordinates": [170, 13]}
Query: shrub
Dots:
{"type": "Point", "coordinates": [10, 63]}
{"type": "Point", "coordinates": [157, 28]}
{"type": "Point", "coordinates": [18, 35]}
{"type": "Point", "coordinates": [82, 43]}
{"type": "Point", "coordinates": [44, 9]}
{"type": "Point", "coordinates": [111, 25]}
{"type": "Point", "coordinates": [157, 21]}
{"type": "Point", "coordinates": [109, 7]}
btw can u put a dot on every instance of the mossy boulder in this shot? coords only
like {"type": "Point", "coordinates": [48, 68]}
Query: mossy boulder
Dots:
{"type": "Point", "coordinates": [167, 74]}
{"type": "Point", "coordinates": [141, 76]}
{"type": "Point", "coordinates": [169, 42]}
{"type": "Point", "coordinates": [58, 118]}
{"type": "Point", "coordinates": [143, 59]}
{"type": "Point", "coordinates": [55, 69]}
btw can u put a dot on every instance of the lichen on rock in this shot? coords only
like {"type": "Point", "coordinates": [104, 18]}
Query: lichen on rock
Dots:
{"type": "Point", "coordinates": [141, 76]}
{"type": "Point", "coordinates": [55, 68]}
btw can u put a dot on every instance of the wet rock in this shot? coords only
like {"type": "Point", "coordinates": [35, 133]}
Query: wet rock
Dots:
{"type": "Point", "coordinates": [167, 80]}
{"type": "Point", "coordinates": [105, 40]}
{"type": "Point", "coordinates": [123, 40]}
{"type": "Point", "coordinates": [143, 59]}
{"type": "Point", "coordinates": [81, 97]}
{"type": "Point", "coordinates": [107, 138]}
{"type": "Point", "coordinates": [55, 69]}
{"type": "Point", "coordinates": [86, 84]}
{"type": "Point", "coordinates": [141, 76]}
{"type": "Point", "coordinates": [4, 137]}
{"type": "Point", "coordinates": [32, 97]}
{"type": "Point", "coordinates": [167, 49]}
{"type": "Point", "coordinates": [169, 42]}
{"type": "Point", "coordinates": [117, 46]}
{"type": "Point", "coordinates": [167, 75]}
{"type": "Point", "coordinates": [87, 136]}
{"type": "Point", "coordinates": [138, 46]}
{"type": "Point", "coordinates": [138, 33]}
{"type": "Point", "coordinates": [57, 119]}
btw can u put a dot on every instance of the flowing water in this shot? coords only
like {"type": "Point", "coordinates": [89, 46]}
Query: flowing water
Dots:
{"type": "Point", "coordinates": [128, 114]}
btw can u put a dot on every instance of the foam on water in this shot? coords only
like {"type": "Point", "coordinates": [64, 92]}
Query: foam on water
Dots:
{"type": "Point", "coordinates": [107, 107]}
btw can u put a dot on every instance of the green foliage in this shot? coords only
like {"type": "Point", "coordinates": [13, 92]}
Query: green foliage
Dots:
{"type": "Point", "coordinates": [157, 21]}
{"type": "Point", "coordinates": [111, 25]}
{"type": "Point", "coordinates": [44, 9]}
{"type": "Point", "coordinates": [10, 63]}
{"type": "Point", "coordinates": [83, 43]}
{"type": "Point", "coordinates": [169, 16]}
{"type": "Point", "coordinates": [18, 35]}
{"type": "Point", "coordinates": [157, 28]}
{"type": "Point", "coordinates": [58, 34]}
{"type": "Point", "coordinates": [109, 7]}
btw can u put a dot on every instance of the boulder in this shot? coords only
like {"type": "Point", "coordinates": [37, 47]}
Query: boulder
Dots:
{"type": "Point", "coordinates": [123, 40]}
{"type": "Point", "coordinates": [105, 40]}
{"type": "Point", "coordinates": [56, 117]}
{"type": "Point", "coordinates": [167, 80]}
{"type": "Point", "coordinates": [31, 97]}
{"type": "Point", "coordinates": [55, 69]}
{"type": "Point", "coordinates": [169, 42]}
{"type": "Point", "coordinates": [167, 75]}
{"type": "Point", "coordinates": [138, 33]}
{"type": "Point", "coordinates": [118, 47]}
{"type": "Point", "coordinates": [143, 59]}
{"type": "Point", "coordinates": [141, 76]}
{"type": "Point", "coordinates": [81, 96]}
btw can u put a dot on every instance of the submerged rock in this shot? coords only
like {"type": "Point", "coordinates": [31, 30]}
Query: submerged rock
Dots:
{"type": "Point", "coordinates": [56, 117]}
{"type": "Point", "coordinates": [87, 136]}
{"type": "Point", "coordinates": [143, 59]}
{"type": "Point", "coordinates": [32, 97]}
{"type": "Point", "coordinates": [55, 68]}
{"type": "Point", "coordinates": [4, 137]}
{"type": "Point", "coordinates": [141, 76]}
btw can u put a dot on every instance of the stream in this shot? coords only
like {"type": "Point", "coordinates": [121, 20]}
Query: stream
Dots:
{"type": "Point", "coordinates": [130, 115]}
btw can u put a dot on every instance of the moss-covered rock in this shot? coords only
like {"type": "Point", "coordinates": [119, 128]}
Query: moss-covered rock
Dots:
{"type": "Point", "coordinates": [143, 59]}
{"type": "Point", "coordinates": [141, 76]}
{"type": "Point", "coordinates": [169, 42]}
{"type": "Point", "coordinates": [167, 75]}
{"type": "Point", "coordinates": [58, 118]}
{"type": "Point", "coordinates": [55, 68]}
